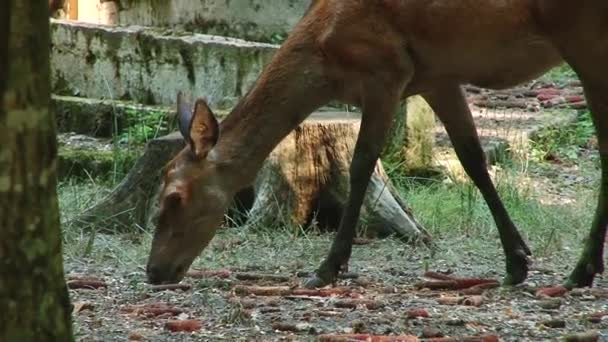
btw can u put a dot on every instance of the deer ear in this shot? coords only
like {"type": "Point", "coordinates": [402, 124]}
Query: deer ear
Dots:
{"type": "Point", "coordinates": [204, 129]}
{"type": "Point", "coordinates": [184, 117]}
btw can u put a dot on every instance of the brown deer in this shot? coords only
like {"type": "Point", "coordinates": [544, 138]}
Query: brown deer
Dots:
{"type": "Point", "coordinates": [372, 54]}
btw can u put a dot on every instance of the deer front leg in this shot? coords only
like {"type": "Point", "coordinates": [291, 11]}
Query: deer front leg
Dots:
{"type": "Point", "coordinates": [379, 106]}
{"type": "Point", "coordinates": [450, 106]}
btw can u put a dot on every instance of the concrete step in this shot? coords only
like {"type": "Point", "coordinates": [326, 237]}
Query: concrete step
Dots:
{"type": "Point", "coordinates": [108, 118]}
{"type": "Point", "coordinates": [150, 66]}
{"type": "Point", "coordinates": [83, 157]}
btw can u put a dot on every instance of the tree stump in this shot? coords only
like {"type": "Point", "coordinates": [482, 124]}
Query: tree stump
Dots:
{"type": "Point", "coordinates": [303, 182]}
{"type": "Point", "coordinates": [306, 180]}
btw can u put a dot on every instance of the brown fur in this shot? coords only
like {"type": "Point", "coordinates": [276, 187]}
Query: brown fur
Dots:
{"type": "Point", "coordinates": [372, 53]}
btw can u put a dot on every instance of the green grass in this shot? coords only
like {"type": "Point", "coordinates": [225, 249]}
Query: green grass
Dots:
{"type": "Point", "coordinates": [455, 214]}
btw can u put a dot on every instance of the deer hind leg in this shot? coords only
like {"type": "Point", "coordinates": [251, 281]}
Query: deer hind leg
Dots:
{"type": "Point", "coordinates": [379, 105]}
{"type": "Point", "coordinates": [592, 71]}
{"type": "Point", "coordinates": [450, 106]}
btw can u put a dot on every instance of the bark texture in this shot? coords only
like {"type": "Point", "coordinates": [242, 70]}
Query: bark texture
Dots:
{"type": "Point", "coordinates": [306, 179]}
{"type": "Point", "coordinates": [34, 300]}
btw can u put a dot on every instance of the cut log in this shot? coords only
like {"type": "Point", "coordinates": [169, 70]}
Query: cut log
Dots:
{"type": "Point", "coordinates": [306, 180]}
{"type": "Point", "coordinates": [303, 182]}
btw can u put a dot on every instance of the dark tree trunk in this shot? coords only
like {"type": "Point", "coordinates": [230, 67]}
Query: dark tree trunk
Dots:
{"type": "Point", "coordinates": [34, 301]}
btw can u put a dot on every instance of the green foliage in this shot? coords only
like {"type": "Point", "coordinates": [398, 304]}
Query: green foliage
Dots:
{"type": "Point", "coordinates": [144, 126]}
{"type": "Point", "coordinates": [560, 75]}
{"type": "Point", "coordinates": [563, 143]}
{"type": "Point", "coordinates": [277, 38]}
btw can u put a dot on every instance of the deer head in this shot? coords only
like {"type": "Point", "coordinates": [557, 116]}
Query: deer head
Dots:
{"type": "Point", "coordinates": [192, 197]}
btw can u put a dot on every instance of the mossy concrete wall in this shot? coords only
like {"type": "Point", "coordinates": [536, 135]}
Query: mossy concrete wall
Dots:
{"type": "Point", "coordinates": [260, 20]}
{"type": "Point", "coordinates": [149, 66]}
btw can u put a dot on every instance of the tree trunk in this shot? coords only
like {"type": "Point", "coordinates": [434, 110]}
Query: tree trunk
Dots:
{"type": "Point", "coordinates": [34, 300]}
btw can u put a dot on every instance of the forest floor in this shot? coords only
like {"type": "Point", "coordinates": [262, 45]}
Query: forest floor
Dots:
{"type": "Point", "coordinates": [550, 193]}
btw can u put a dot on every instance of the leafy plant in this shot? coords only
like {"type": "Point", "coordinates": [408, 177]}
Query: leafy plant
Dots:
{"type": "Point", "coordinates": [144, 126]}
{"type": "Point", "coordinates": [565, 142]}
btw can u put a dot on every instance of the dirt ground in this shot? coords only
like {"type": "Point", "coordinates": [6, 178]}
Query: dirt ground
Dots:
{"type": "Point", "coordinates": [379, 297]}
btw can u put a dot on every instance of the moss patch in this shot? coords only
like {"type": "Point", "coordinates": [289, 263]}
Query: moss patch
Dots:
{"type": "Point", "coordinates": [81, 163]}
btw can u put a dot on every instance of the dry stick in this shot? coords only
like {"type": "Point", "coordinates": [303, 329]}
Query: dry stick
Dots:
{"type": "Point", "coordinates": [418, 313]}
{"type": "Point", "coordinates": [590, 336]}
{"type": "Point", "coordinates": [90, 284]}
{"type": "Point", "coordinates": [597, 317]}
{"type": "Point", "coordinates": [153, 310]}
{"type": "Point", "coordinates": [170, 287]}
{"type": "Point", "coordinates": [367, 338]}
{"type": "Point", "coordinates": [245, 276]}
{"type": "Point", "coordinates": [449, 300]}
{"type": "Point", "coordinates": [186, 325]}
{"type": "Point", "coordinates": [446, 282]}
{"type": "Point", "coordinates": [355, 303]}
{"type": "Point", "coordinates": [473, 301]}
{"type": "Point", "coordinates": [292, 327]}
{"type": "Point", "coordinates": [200, 274]}
{"type": "Point", "coordinates": [479, 289]}
{"type": "Point", "coordinates": [243, 290]}
{"type": "Point", "coordinates": [555, 291]}
{"type": "Point", "coordinates": [483, 338]}
{"type": "Point", "coordinates": [345, 275]}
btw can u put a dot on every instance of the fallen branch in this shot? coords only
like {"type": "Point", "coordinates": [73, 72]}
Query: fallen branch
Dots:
{"type": "Point", "coordinates": [292, 327]}
{"type": "Point", "coordinates": [595, 292]}
{"type": "Point", "coordinates": [597, 317]}
{"type": "Point", "coordinates": [467, 301]}
{"type": "Point", "coordinates": [262, 277]}
{"type": "Point", "coordinates": [472, 301]}
{"type": "Point", "coordinates": [81, 306]}
{"type": "Point", "coordinates": [342, 275]}
{"type": "Point", "coordinates": [449, 300]}
{"type": "Point", "coordinates": [170, 287]}
{"type": "Point", "coordinates": [590, 336]}
{"type": "Point", "coordinates": [483, 338]}
{"type": "Point", "coordinates": [355, 303]}
{"type": "Point", "coordinates": [479, 289]}
{"type": "Point", "coordinates": [554, 323]}
{"type": "Point", "coordinates": [446, 282]}
{"type": "Point", "coordinates": [152, 310]}
{"type": "Point", "coordinates": [87, 284]}
{"type": "Point", "coordinates": [367, 338]}
{"type": "Point", "coordinates": [243, 290]}
{"type": "Point", "coordinates": [187, 325]}
{"type": "Point", "coordinates": [417, 313]}
{"type": "Point", "coordinates": [327, 292]}
{"type": "Point", "coordinates": [201, 274]}
{"type": "Point", "coordinates": [555, 291]}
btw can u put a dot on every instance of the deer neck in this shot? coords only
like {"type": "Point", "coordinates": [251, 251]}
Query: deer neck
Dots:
{"type": "Point", "coordinates": [291, 87]}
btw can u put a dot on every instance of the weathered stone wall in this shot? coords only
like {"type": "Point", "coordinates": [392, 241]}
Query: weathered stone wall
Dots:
{"type": "Point", "coordinates": [257, 20]}
{"type": "Point", "coordinates": [248, 19]}
{"type": "Point", "coordinates": [149, 66]}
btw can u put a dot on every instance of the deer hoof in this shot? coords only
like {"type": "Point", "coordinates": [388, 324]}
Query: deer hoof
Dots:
{"type": "Point", "coordinates": [315, 282]}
